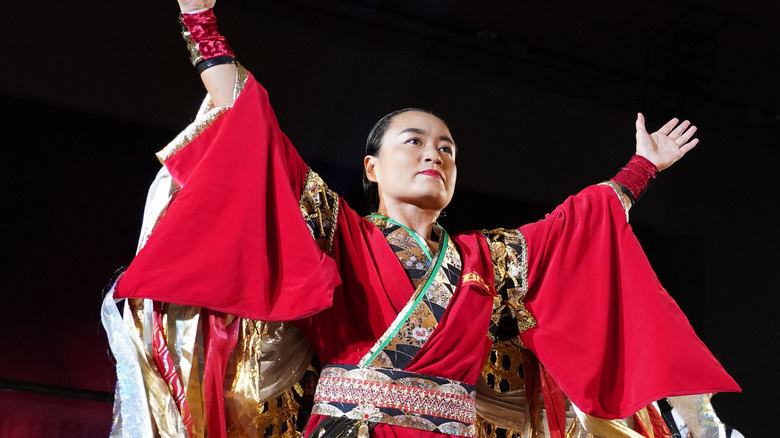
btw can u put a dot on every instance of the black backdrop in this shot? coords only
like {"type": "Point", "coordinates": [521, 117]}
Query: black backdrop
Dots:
{"type": "Point", "coordinates": [77, 160]}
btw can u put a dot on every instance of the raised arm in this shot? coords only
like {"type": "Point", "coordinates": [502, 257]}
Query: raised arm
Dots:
{"type": "Point", "coordinates": [602, 319]}
{"type": "Point", "coordinates": [210, 52]}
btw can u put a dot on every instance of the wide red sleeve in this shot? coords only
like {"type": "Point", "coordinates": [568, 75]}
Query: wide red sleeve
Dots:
{"type": "Point", "coordinates": [607, 331]}
{"type": "Point", "coordinates": [234, 239]}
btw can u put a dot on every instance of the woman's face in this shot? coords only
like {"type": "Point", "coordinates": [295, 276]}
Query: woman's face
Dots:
{"type": "Point", "coordinates": [416, 163]}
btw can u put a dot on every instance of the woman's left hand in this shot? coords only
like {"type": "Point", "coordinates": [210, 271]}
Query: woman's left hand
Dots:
{"type": "Point", "coordinates": [667, 145]}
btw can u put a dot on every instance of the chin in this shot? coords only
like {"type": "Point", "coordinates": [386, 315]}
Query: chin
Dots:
{"type": "Point", "coordinates": [434, 204]}
{"type": "Point", "coordinates": [428, 201]}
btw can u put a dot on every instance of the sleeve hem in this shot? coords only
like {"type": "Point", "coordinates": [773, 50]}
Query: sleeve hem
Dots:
{"type": "Point", "coordinates": [207, 115]}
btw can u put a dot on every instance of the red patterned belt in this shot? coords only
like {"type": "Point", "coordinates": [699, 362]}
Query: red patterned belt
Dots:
{"type": "Point", "coordinates": [396, 397]}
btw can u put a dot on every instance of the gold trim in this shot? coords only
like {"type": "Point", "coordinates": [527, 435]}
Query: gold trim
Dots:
{"type": "Point", "coordinates": [421, 398]}
{"type": "Point", "coordinates": [242, 75]}
{"type": "Point", "coordinates": [376, 395]}
{"type": "Point", "coordinates": [306, 182]}
{"type": "Point", "coordinates": [400, 319]}
{"type": "Point", "coordinates": [334, 221]}
{"type": "Point", "coordinates": [624, 199]}
{"type": "Point", "coordinates": [207, 115]}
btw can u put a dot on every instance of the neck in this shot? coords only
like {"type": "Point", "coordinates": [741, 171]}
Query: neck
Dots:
{"type": "Point", "coordinates": [415, 218]}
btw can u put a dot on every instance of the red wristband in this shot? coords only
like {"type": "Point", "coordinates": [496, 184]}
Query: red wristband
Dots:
{"type": "Point", "coordinates": [203, 31]}
{"type": "Point", "coordinates": [636, 176]}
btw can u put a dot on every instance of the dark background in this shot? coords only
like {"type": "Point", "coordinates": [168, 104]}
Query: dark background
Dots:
{"type": "Point", "coordinates": [541, 98]}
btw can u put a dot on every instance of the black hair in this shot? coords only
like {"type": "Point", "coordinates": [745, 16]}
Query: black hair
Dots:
{"type": "Point", "coordinates": [374, 144]}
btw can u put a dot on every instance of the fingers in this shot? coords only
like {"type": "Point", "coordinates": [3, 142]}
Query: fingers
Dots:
{"type": "Point", "coordinates": [681, 134]}
{"type": "Point", "coordinates": [640, 123]}
{"type": "Point", "coordinates": [688, 146]}
{"type": "Point", "coordinates": [667, 128]}
{"type": "Point", "coordinates": [677, 131]}
{"type": "Point", "coordinates": [685, 136]}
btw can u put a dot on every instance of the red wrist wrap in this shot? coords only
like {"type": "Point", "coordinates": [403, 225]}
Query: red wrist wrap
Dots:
{"type": "Point", "coordinates": [203, 30]}
{"type": "Point", "coordinates": [636, 175]}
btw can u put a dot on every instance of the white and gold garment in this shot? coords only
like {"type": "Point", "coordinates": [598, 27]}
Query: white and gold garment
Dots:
{"type": "Point", "coordinates": [159, 352]}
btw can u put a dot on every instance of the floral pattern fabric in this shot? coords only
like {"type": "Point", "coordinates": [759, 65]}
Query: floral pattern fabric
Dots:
{"type": "Point", "coordinates": [416, 330]}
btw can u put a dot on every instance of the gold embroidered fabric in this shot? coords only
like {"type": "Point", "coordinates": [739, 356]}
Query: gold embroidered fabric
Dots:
{"type": "Point", "coordinates": [242, 398]}
{"type": "Point", "coordinates": [425, 317]}
{"type": "Point", "coordinates": [501, 401]}
{"type": "Point", "coordinates": [396, 397]}
{"type": "Point", "coordinates": [247, 412]}
{"type": "Point", "coordinates": [267, 404]}
{"type": "Point", "coordinates": [320, 209]}
{"type": "Point", "coordinates": [410, 254]}
{"type": "Point", "coordinates": [509, 253]}
{"type": "Point", "coordinates": [503, 369]}
{"type": "Point", "coordinates": [418, 327]}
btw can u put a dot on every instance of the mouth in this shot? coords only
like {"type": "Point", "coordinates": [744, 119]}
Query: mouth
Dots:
{"type": "Point", "coordinates": [432, 173]}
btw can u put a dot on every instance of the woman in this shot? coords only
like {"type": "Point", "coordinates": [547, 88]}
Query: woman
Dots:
{"type": "Point", "coordinates": [401, 315]}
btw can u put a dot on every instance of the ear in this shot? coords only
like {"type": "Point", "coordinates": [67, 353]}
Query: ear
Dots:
{"type": "Point", "coordinates": [370, 166]}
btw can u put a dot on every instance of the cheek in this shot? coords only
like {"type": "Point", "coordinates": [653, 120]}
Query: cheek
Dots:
{"type": "Point", "coordinates": [389, 171]}
{"type": "Point", "coordinates": [398, 165]}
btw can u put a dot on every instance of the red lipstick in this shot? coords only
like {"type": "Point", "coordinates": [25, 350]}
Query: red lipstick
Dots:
{"type": "Point", "coordinates": [432, 172]}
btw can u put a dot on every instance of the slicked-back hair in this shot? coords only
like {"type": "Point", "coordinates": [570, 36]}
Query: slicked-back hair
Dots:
{"type": "Point", "coordinates": [374, 144]}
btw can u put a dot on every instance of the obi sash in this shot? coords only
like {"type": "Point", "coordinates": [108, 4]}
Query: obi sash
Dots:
{"type": "Point", "coordinates": [396, 397]}
{"type": "Point", "coordinates": [378, 390]}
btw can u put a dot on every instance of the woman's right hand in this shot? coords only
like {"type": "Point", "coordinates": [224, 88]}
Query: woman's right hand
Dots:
{"type": "Point", "coordinates": [667, 145]}
{"type": "Point", "coordinates": [195, 5]}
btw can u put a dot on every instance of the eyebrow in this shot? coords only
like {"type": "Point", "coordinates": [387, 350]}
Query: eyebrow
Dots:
{"type": "Point", "coordinates": [421, 132]}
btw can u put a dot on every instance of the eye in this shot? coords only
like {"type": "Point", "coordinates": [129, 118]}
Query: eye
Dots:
{"type": "Point", "coordinates": [413, 140]}
{"type": "Point", "coordinates": [446, 149]}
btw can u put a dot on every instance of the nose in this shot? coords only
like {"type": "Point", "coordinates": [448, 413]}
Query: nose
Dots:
{"type": "Point", "coordinates": [432, 155]}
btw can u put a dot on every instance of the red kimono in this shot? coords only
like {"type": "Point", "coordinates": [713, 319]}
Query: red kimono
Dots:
{"type": "Point", "coordinates": [234, 240]}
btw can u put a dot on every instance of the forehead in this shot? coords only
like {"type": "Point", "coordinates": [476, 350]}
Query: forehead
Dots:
{"type": "Point", "coordinates": [418, 120]}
